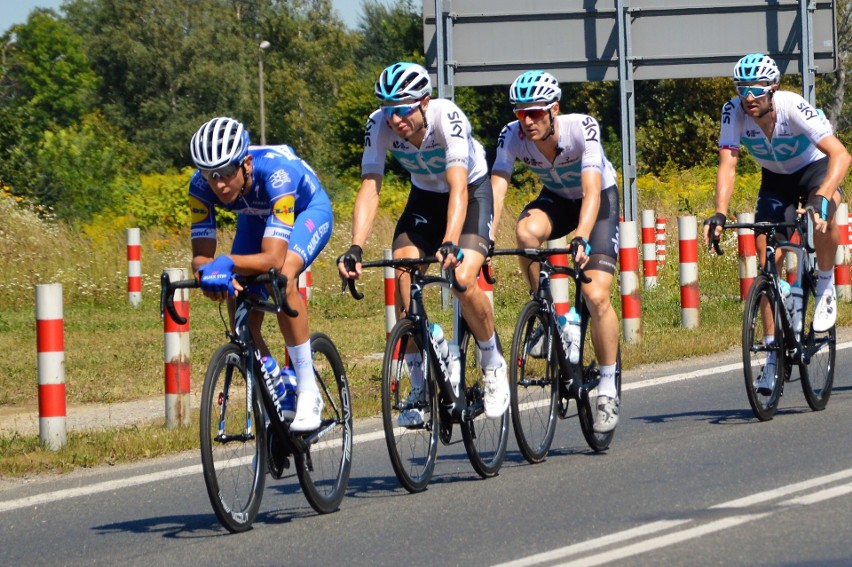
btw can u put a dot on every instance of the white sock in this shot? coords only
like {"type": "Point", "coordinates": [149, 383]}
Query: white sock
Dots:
{"type": "Point", "coordinates": [490, 355]}
{"type": "Point", "coordinates": [824, 280]}
{"type": "Point", "coordinates": [300, 358]}
{"type": "Point", "coordinates": [606, 384]}
{"type": "Point", "coordinates": [415, 367]}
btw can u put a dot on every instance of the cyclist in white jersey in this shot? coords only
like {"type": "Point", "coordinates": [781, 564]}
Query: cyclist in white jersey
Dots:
{"type": "Point", "coordinates": [579, 195]}
{"type": "Point", "coordinates": [449, 210]}
{"type": "Point", "coordinates": [803, 164]}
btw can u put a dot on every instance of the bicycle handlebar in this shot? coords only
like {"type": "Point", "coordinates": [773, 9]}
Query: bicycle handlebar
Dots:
{"type": "Point", "coordinates": [543, 255]}
{"type": "Point", "coordinates": [804, 223]}
{"type": "Point", "coordinates": [276, 280]}
{"type": "Point", "coordinates": [406, 264]}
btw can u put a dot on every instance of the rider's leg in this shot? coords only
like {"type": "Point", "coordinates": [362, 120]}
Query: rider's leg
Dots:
{"type": "Point", "coordinates": [534, 228]}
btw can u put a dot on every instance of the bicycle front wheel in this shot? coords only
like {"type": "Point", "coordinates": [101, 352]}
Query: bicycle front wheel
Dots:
{"type": "Point", "coordinates": [817, 365]}
{"type": "Point", "coordinates": [533, 374]}
{"type": "Point", "coordinates": [233, 440]}
{"type": "Point", "coordinates": [763, 364]}
{"type": "Point", "coordinates": [324, 469]}
{"type": "Point", "coordinates": [410, 420]}
{"type": "Point", "coordinates": [485, 439]}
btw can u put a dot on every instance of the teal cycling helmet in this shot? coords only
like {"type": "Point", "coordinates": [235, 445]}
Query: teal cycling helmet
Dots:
{"type": "Point", "coordinates": [534, 86]}
{"type": "Point", "coordinates": [756, 67]}
{"type": "Point", "coordinates": [403, 81]}
{"type": "Point", "coordinates": [219, 142]}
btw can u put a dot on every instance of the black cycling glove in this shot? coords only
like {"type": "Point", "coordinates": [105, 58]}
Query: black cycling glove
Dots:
{"type": "Point", "coordinates": [822, 206]}
{"type": "Point", "coordinates": [352, 257]}
{"type": "Point", "coordinates": [448, 248]}
{"type": "Point", "coordinates": [579, 243]}
{"type": "Point", "coordinates": [718, 219]}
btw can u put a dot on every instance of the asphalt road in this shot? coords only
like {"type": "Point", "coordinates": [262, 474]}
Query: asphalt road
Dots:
{"type": "Point", "coordinates": [692, 478]}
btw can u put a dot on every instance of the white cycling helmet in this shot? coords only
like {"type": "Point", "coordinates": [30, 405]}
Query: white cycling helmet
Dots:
{"type": "Point", "coordinates": [534, 86]}
{"type": "Point", "coordinates": [219, 142]}
{"type": "Point", "coordinates": [756, 67]}
{"type": "Point", "coordinates": [403, 81]}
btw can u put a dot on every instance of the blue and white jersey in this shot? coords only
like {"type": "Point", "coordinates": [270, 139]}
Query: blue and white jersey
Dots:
{"type": "Point", "coordinates": [581, 150]}
{"type": "Point", "coordinates": [448, 142]}
{"type": "Point", "coordinates": [283, 186]}
{"type": "Point", "coordinates": [798, 128]}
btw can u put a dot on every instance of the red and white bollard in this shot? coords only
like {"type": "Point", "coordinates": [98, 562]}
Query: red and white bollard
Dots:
{"type": "Point", "coordinates": [485, 286]}
{"type": "Point", "coordinates": [50, 336]}
{"type": "Point", "coordinates": [649, 249]}
{"type": "Point", "coordinates": [176, 356]}
{"type": "Point", "coordinates": [134, 267]}
{"type": "Point", "coordinates": [661, 242]}
{"type": "Point", "coordinates": [631, 303]}
{"type": "Point", "coordinates": [390, 292]}
{"type": "Point", "coordinates": [559, 282]}
{"type": "Point", "coordinates": [747, 254]}
{"type": "Point", "coordinates": [688, 248]}
{"type": "Point", "coordinates": [842, 283]}
{"type": "Point", "coordinates": [306, 284]}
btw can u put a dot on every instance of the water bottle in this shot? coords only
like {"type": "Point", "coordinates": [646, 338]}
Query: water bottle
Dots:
{"type": "Point", "coordinates": [277, 385]}
{"type": "Point", "coordinates": [286, 387]}
{"type": "Point", "coordinates": [570, 327]}
{"type": "Point", "coordinates": [797, 300]}
{"type": "Point", "coordinates": [447, 358]}
{"type": "Point", "coordinates": [786, 297]}
{"type": "Point", "coordinates": [455, 368]}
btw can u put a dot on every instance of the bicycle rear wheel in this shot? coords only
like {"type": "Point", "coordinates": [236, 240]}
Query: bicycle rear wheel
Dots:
{"type": "Point", "coordinates": [324, 469]}
{"type": "Point", "coordinates": [817, 365]}
{"type": "Point", "coordinates": [533, 383]}
{"type": "Point", "coordinates": [412, 448]}
{"type": "Point", "coordinates": [484, 439]}
{"type": "Point", "coordinates": [586, 411]}
{"type": "Point", "coordinates": [233, 440]}
{"type": "Point", "coordinates": [756, 353]}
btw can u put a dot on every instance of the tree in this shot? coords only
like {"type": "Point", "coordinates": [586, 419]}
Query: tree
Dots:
{"type": "Point", "coordinates": [168, 66]}
{"type": "Point", "coordinates": [47, 84]}
{"type": "Point", "coordinates": [83, 169]}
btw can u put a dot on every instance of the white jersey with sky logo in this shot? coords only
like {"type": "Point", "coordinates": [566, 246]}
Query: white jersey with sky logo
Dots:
{"type": "Point", "coordinates": [448, 142]}
{"type": "Point", "coordinates": [798, 128]}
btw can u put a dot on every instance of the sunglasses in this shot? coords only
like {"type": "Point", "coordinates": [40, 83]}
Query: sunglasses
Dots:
{"type": "Point", "coordinates": [224, 172]}
{"type": "Point", "coordinates": [402, 110]}
{"type": "Point", "coordinates": [755, 91]}
{"type": "Point", "coordinates": [536, 113]}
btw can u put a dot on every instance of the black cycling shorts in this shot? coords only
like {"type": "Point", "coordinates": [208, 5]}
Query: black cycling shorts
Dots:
{"type": "Point", "coordinates": [424, 221]}
{"type": "Point", "coordinates": [564, 215]}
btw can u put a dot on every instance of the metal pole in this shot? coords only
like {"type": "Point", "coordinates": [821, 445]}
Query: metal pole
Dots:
{"type": "Point", "coordinates": [263, 45]}
{"type": "Point", "coordinates": [628, 113]}
{"type": "Point", "coordinates": [806, 15]}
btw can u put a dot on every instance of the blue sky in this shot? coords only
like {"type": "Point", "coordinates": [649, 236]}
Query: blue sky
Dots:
{"type": "Point", "coordinates": [16, 11]}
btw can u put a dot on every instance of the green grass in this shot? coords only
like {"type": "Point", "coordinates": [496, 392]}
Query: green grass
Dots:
{"type": "Point", "coordinates": [114, 352]}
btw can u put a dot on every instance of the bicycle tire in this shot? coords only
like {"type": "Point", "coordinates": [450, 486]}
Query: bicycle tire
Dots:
{"type": "Point", "coordinates": [234, 469]}
{"type": "Point", "coordinates": [533, 385]}
{"type": "Point", "coordinates": [818, 357]}
{"type": "Point", "coordinates": [598, 442]}
{"type": "Point", "coordinates": [485, 439]}
{"type": "Point", "coordinates": [324, 469]}
{"type": "Point", "coordinates": [756, 352]}
{"type": "Point", "coordinates": [412, 450]}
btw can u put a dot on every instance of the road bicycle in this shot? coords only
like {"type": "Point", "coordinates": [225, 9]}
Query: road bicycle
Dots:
{"type": "Point", "coordinates": [766, 314]}
{"type": "Point", "coordinates": [413, 449]}
{"type": "Point", "coordinates": [542, 385]}
{"type": "Point", "coordinates": [242, 435]}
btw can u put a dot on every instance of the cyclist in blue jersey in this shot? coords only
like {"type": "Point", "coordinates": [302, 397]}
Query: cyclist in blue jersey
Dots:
{"type": "Point", "coordinates": [579, 194]}
{"type": "Point", "coordinates": [802, 163]}
{"type": "Point", "coordinates": [284, 220]}
{"type": "Point", "coordinates": [449, 210]}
